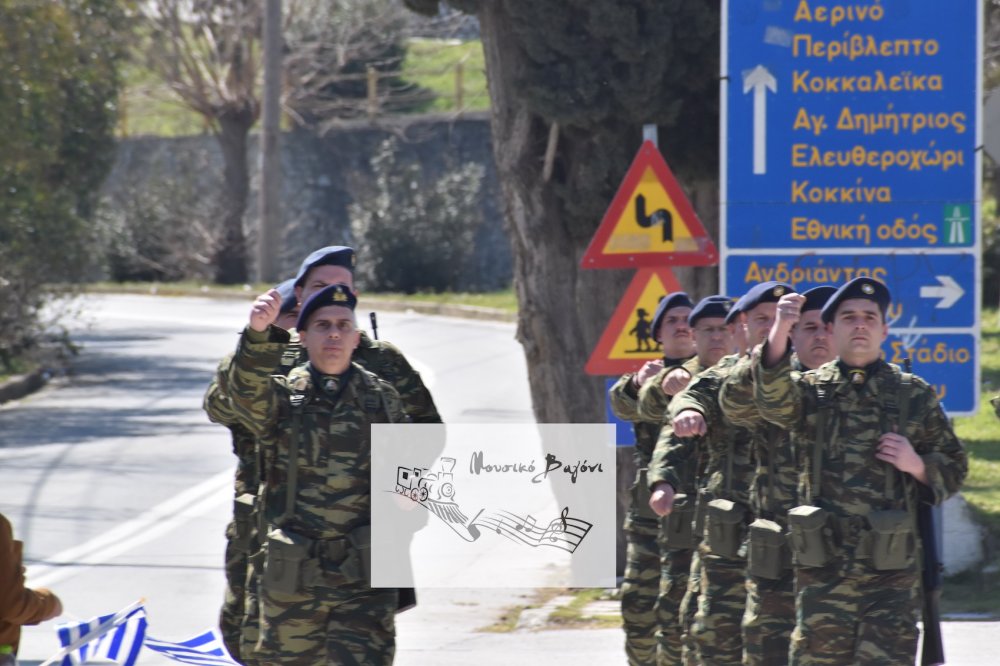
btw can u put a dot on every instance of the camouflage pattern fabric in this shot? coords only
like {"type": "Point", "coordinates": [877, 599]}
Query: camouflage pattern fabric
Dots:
{"type": "Point", "coordinates": [722, 593]}
{"type": "Point", "coordinates": [639, 590]}
{"type": "Point", "coordinates": [770, 609]}
{"type": "Point", "coordinates": [335, 617]}
{"type": "Point", "coordinates": [675, 568]}
{"type": "Point", "coordinates": [687, 611]}
{"type": "Point", "coordinates": [847, 612]}
{"type": "Point", "coordinates": [721, 602]}
{"type": "Point", "coordinates": [652, 402]}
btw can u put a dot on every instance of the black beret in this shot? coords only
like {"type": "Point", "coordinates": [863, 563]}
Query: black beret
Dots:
{"type": "Point", "coordinates": [861, 287]}
{"type": "Point", "coordinates": [334, 294]}
{"type": "Point", "coordinates": [678, 299]}
{"type": "Point", "coordinates": [287, 291]}
{"type": "Point", "coordinates": [817, 297]}
{"type": "Point", "coordinates": [765, 292]}
{"type": "Point", "coordinates": [333, 255]}
{"type": "Point", "coordinates": [710, 306]}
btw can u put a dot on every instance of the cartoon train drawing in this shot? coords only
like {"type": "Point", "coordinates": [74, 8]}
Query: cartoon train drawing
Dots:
{"type": "Point", "coordinates": [419, 484]}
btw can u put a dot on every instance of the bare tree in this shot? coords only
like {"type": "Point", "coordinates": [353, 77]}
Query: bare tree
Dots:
{"type": "Point", "coordinates": [208, 52]}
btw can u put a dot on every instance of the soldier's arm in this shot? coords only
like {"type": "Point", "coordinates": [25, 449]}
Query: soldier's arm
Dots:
{"type": "Point", "coordinates": [946, 463]}
{"type": "Point", "coordinates": [624, 398]}
{"type": "Point", "coordinates": [670, 455]}
{"type": "Point", "coordinates": [416, 399]}
{"type": "Point", "coordinates": [701, 395]}
{"type": "Point", "coordinates": [652, 402]}
{"type": "Point", "coordinates": [776, 392]}
{"type": "Point", "coordinates": [393, 404]}
{"type": "Point", "coordinates": [736, 395]}
{"type": "Point", "coordinates": [216, 402]}
{"type": "Point", "coordinates": [251, 392]}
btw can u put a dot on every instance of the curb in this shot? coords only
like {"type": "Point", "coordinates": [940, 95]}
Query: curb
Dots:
{"type": "Point", "coordinates": [18, 386]}
{"type": "Point", "coordinates": [366, 302]}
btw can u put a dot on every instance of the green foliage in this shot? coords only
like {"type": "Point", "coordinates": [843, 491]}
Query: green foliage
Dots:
{"type": "Point", "coordinates": [413, 235]}
{"type": "Point", "coordinates": [432, 64]}
{"type": "Point", "coordinates": [58, 87]}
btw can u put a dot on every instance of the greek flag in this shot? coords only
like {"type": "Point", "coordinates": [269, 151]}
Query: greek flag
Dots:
{"type": "Point", "coordinates": [117, 637]}
{"type": "Point", "coordinates": [203, 649]}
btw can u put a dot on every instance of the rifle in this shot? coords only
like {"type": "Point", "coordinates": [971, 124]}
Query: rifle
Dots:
{"type": "Point", "coordinates": [374, 321]}
{"type": "Point", "coordinates": [932, 574]}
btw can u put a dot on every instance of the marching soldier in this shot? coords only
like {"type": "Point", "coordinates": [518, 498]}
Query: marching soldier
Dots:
{"type": "Point", "coordinates": [770, 609]}
{"type": "Point", "coordinates": [721, 561]}
{"type": "Point", "coordinates": [642, 527]}
{"type": "Point", "coordinates": [875, 442]}
{"type": "Point", "coordinates": [313, 429]}
{"type": "Point", "coordinates": [674, 606]}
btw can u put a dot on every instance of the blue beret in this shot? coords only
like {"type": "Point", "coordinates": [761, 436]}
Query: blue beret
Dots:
{"type": "Point", "coordinates": [333, 255]}
{"type": "Point", "coordinates": [765, 292]}
{"type": "Point", "coordinates": [862, 287]}
{"type": "Point", "coordinates": [711, 306]}
{"type": "Point", "coordinates": [334, 294]}
{"type": "Point", "coordinates": [678, 299]}
{"type": "Point", "coordinates": [287, 291]}
{"type": "Point", "coordinates": [736, 309]}
{"type": "Point", "coordinates": [817, 297]}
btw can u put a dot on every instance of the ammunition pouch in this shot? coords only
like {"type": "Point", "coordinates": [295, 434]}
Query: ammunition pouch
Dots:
{"type": "Point", "coordinates": [243, 521]}
{"type": "Point", "coordinates": [769, 555]}
{"type": "Point", "coordinates": [640, 497]}
{"type": "Point", "coordinates": [359, 562]}
{"type": "Point", "coordinates": [726, 528]}
{"type": "Point", "coordinates": [892, 539]}
{"type": "Point", "coordinates": [285, 558]}
{"type": "Point", "coordinates": [811, 536]}
{"type": "Point", "coordinates": [678, 525]}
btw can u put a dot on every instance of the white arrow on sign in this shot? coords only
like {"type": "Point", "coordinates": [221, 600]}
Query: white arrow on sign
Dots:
{"type": "Point", "coordinates": [760, 81]}
{"type": "Point", "coordinates": [949, 291]}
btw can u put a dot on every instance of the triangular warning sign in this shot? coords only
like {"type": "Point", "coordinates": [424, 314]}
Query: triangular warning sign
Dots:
{"type": "Point", "coordinates": [628, 340]}
{"type": "Point", "coordinates": [650, 222]}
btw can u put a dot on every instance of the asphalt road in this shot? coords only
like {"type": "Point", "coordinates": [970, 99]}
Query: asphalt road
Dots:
{"type": "Point", "coordinates": [121, 488]}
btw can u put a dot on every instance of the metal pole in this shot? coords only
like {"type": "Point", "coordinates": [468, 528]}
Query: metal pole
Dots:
{"type": "Point", "coordinates": [649, 133]}
{"type": "Point", "coordinates": [270, 156]}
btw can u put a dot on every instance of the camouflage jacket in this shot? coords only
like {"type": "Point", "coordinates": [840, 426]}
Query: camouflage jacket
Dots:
{"type": "Point", "coordinates": [333, 463]}
{"type": "Point", "coordinates": [624, 397]}
{"type": "Point", "coordinates": [677, 460]}
{"type": "Point", "coordinates": [773, 489]}
{"type": "Point", "coordinates": [377, 356]}
{"type": "Point", "coordinates": [853, 481]}
{"type": "Point", "coordinates": [652, 402]}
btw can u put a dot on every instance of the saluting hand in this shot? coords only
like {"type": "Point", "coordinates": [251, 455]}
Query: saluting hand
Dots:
{"type": "Point", "coordinates": [265, 310]}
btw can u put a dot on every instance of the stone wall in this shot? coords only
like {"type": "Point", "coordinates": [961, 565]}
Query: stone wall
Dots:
{"type": "Point", "coordinates": [322, 176]}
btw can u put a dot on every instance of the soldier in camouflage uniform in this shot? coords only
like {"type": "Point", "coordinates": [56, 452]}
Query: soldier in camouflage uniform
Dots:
{"type": "Point", "coordinates": [328, 265]}
{"type": "Point", "coordinates": [240, 532]}
{"type": "Point", "coordinates": [873, 442]}
{"type": "Point", "coordinates": [713, 340]}
{"type": "Point", "coordinates": [721, 560]}
{"type": "Point", "coordinates": [313, 429]}
{"type": "Point", "coordinates": [642, 527]}
{"type": "Point", "coordinates": [770, 612]}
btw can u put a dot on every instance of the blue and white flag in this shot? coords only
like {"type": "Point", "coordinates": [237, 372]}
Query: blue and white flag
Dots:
{"type": "Point", "coordinates": [117, 637]}
{"type": "Point", "coordinates": [206, 648]}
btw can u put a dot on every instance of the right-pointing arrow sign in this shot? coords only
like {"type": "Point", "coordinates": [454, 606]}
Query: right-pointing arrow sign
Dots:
{"type": "Point", "coordinates": [760, 81]}
{"type": "Point", "coordinates": [949, 291]}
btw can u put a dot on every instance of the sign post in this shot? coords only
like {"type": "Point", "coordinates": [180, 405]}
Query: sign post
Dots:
{"type": "Point", "coordinates": [850, 137]}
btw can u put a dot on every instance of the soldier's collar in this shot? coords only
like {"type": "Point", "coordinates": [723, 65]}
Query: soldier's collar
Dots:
{"type": "Point", "coordinates": [855, 376]}
{"type": "Point", "coordinates": [331, 385]}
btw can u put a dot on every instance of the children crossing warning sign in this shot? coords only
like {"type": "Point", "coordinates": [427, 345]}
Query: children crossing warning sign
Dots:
{"type": "Point", "coordinates": [650, 222]}
{"type": "Point", "coordinates": [629, 340]}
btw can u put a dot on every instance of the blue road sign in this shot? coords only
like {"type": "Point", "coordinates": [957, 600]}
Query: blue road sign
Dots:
{"type": "Point", "coordinates": [850, 132]}
{"type": "Point", "coordinates": [624, 435]}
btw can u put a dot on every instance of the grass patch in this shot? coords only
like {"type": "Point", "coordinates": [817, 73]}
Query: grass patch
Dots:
{"type": "Point", "coordinates": [432, 63]}
{"type": "Point", "coordinates": [574, 615]}
{"type": "Point", "coordinates": [972, 592]}
{"type": "Point", "coordinates": [981, 433]}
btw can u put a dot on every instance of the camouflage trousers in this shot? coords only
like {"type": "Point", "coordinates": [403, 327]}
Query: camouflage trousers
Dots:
{"type": "Point", "coordinates": [639, 591]}
{"type": "Point", "coordinates": [855, 616]}
{"type": "Point", "coordinates": [722, 601]}
{"type": "Point", "coordinates": [675, 567]}
{"type": "Point", "coordinates": [687, 611]}
{"type": "Point", "coordinates": [768, 620]}
{"type": "Point", "coordinates": [351, 625]}
{"type": "Point", "coordinates": [231, 617]}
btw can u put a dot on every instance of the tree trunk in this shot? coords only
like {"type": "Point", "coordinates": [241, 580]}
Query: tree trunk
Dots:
{"type": "Point", "coordinates": [231, 252]}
